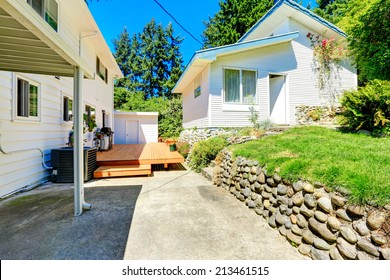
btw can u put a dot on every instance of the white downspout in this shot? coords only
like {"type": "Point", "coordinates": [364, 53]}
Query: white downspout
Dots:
{"type": "Point", "coordinates": [78, 153]}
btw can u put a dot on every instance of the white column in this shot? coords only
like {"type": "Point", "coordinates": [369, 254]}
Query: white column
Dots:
{"type": "Point", "coordinates": [78, 158]}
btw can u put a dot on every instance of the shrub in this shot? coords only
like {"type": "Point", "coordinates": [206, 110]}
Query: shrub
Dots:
{"type": "Point", "coordinates": [183, 148]}
{"type": "Point", "coordinates": [205, 151]}
{"type": "Point", "coordinates": [367, 108]}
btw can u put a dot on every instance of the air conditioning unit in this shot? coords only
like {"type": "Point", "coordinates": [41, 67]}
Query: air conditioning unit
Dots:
{"type": "Point", "coordinates": [62, 162]}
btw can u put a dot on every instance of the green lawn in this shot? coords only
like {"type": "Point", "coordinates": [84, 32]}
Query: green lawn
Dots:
{"type": "Point", "coordinates": [359, 163]}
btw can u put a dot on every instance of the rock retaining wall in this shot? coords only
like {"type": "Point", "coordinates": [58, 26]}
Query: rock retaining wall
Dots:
{"type": "Point", "coordinates": [305, 115]}
{"type": "Point", "coordinates": [320, 223]}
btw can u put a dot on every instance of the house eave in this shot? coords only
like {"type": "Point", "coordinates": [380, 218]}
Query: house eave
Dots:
{"type": "Point", "coordinates": [204, 57]}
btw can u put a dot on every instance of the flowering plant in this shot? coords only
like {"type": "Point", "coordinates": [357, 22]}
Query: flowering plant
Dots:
{"type": "Point", "coordinates": [328, 53]}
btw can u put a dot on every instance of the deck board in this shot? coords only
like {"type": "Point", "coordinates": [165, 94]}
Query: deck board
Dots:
{"type": "Point", "coordinates": [133, 154]}
{"type": "Point", "coordinates": [122, 171]}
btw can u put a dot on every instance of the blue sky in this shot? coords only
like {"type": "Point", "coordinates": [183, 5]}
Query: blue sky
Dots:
{"type": "Point", "coordinates": [112, 15]}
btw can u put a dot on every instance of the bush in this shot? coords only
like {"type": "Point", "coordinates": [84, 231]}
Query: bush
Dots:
{"type": "Point", "coordinates": [367, 108]}
{"type": "Point", "coordinates": [205, 151]}
{"type": "Point", "coordinates": [183, 148]}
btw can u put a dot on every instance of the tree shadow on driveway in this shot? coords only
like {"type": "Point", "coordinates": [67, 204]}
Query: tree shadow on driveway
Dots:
{"type": "Point", "coordinates": [41, 226]}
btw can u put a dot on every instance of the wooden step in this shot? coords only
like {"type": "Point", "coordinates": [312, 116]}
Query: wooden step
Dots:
{"type": "Point", "coordinates": [122, 171]}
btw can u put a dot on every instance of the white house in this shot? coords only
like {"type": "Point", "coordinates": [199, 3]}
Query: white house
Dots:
{"type": "Point", "coordinates": [135, 127]}
{"type": "Point", "coordinates": [270, 68]}
{"type": "Point", "coordinates": [54, 66]}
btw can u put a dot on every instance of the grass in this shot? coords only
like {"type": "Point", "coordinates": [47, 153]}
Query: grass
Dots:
{"type": "Point", "coordinates": [356, 162]}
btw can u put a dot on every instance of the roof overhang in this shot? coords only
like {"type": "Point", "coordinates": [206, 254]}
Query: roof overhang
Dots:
{"type": "Point", "coordinates": [204, 57]}
{"type": "Point", "coordinates": [289, 9]}
{"type": "Point", "coordinates": [29, 44]}
{"type": "Point", "coordinates": [120, 113]}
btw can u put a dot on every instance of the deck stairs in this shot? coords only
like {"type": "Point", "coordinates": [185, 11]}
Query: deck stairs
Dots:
{"type": "Point", "coordinates": [122, 171]}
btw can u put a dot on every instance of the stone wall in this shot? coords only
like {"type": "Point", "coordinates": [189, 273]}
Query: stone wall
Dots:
{"type": "Point", "coordinates": [305, 115]}
{"type": "Point", "coordinates": [320, 223]}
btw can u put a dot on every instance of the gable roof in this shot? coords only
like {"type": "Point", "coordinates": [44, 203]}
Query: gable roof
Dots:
{"type": "Point", "coordinates": [289, 9]}
{"type": "Point", "coordinates": [204, 57]}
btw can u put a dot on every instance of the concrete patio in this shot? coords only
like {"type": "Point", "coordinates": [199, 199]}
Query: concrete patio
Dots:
{"type": "Point", "coordinates": [172, 215]}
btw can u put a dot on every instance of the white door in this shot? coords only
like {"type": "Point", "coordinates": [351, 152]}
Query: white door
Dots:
{"type": "Point", "coordinates": [132, 130]}
{"type": "Point", "coordinates": [277, 99]}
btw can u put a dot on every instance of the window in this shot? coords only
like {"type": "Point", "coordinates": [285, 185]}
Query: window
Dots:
{"type": "Point", "coordinates": [240, 86]}
{"type": "Point", "coordinates": [47, 9]}
{"type": "Point", "coordinates": [67, 109]}
{"type": "Point", "coordinates": [27, 99]}
{"type": "Point", "coordinates": [198, 86]}
{"type": "Point", "coordinates": [90, 111]}
{"type": "Point", "coordinates": [101, 70]}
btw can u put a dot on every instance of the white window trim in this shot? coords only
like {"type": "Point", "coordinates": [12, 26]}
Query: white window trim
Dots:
{"type": "Point", "coordinates": [58, 17]}
{"type": "Point", "coordinates": [63, 95]}
{"type": "Point", "coordinates": [15, 116]}
{"type": "Point", "coordinates": [234, 106]}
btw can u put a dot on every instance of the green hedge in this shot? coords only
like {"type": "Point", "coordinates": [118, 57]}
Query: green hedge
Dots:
{"type": "Point", "coordinates": [367, 108]}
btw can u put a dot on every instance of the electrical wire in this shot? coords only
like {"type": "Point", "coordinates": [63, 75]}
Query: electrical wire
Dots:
{"type": "Point", "coordinates": [177, 22]}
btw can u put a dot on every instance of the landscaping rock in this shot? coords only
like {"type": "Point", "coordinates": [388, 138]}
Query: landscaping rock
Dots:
{"type": "Point", "coordinates": [348, 234]}
{"type": "Point", "coordinates": [280, 219]}
{"type": "Point", "coordinates": [259, 211]}
{"type": "Point", "coordinates": [368, 247]}
{"type": "Point", "coordinates": [261, 178]}
{"type": "Point", "coordinates": [361, 227]}
{"type": "Point", "coordinates": [338, 200]}
{"type": "Point", "coordinates": [333, 223]}
{"type": "Point", "coordinates": [325, 204]}
{"type": "Point", "coordinates": [283, 208]}
{"type": "Point", "coordinates": [271, 182]}
{"type": "Point", "coordinates": [251, 204]}
{"type": "Point", "coordinates": [310, 201]}
{"type": "Point", "coordinates": [321, 244]}
{"type": "Point", "coordinates": [293, 219]}
{"type": "Point", "coordinates": [283, 231]}
{"type": "Point", "coordinates": [376, 219]}
{"type": "Point", "coordinates": [308, 237]}
{"type": "Point", "coordinates": [265, 214]}
{"type": "Point", "coordinates": [295, 239]}
{"type": "Point", "coordinates": [306, 212]}
{"type": "Point", "coordinates": [277, 178]}
{"type": "Point", "coordinates": [298, 186]}
{"type": "Point", "coordinates": [356, 210]}
{"type": "Point", "coordinates": [296, 210]}
{"type": "Point", "coordinates": [319, 254]}
{"type": "Point", "coordinates": [366, 257]}
{"type": "Point", "coordinates": [386, 253]}
{"type": "Point", "coordinates": [322, 230]}
{"type": "Point", "coordinates": [378, 238]}
{"type": "Point", "coordinates": [320, 216]}
{"type": "Point", "coordinates": [265, 194]}
{"type": "Point", "coordinates": [301, 221]}
{"type": "Point", "coordinates": [296, 230]}
{"type": "Point", "coordinates": [282, 189]}
{"type": "Point", "coordinates": [346, 249]}
{"type": "Point", "coordinates": [335, 254]}
{"type": "Point", "coordinates": [288, 224]}
{"type": "Point", "coordinates": [298, 199]}
{"type": "Point", "coordinates": [272, 221]}
{"type": "Point", "coordinates": [304, 249]}
{"type": "Point", "coordinates": [282, 200]}
{"type": "Point", "coordinates": [341, 213]}
{"type": "Point", "coordinates": [309, 188]}
{"type": "Point", "coordinates": [266, 204]}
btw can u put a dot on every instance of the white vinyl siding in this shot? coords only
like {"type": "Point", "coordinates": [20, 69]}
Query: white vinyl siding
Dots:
{"type": "Point", "coordinates": [148, 127]}
{"type": "Point", "coordinates": [23, 168]}
{"type": "Point", "coordinates": [196, 110]}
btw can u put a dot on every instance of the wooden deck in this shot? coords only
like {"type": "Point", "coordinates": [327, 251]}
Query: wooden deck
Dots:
{"type": "Point", "coordinates": [139, 154]}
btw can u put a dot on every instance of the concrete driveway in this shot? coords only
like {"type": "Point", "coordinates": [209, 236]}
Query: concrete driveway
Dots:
{"type": "Point", "coordinates": [172, 215]}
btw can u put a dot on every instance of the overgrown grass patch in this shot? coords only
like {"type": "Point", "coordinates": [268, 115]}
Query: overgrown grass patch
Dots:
{"type": "Point", "coordinates": [357, 162]}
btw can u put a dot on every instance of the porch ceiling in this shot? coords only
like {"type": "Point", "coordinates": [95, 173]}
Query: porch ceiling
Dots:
{"type": "Point", "coordinates": [28, 44]}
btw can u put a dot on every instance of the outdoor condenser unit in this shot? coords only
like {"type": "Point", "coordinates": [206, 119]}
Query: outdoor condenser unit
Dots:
{"type": "Point", "coordinates": [62, 162]}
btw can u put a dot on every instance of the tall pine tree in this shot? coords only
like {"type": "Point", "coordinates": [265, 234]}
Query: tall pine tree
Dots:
{"type": "Point", "coordinates": [233, 20]}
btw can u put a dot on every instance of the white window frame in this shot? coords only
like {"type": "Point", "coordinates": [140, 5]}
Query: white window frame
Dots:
{"type": "Point", "coordinates": [42, 13]}
{"type": "Point", "coordinates": [99, 65]}
{"type": "Point", "coordinates": [233, 104]}
{"type": "Point", "coordinates": [15, 100]}
{"type": "Point", "coordinates": [198, 86]}
{"type": "Point", "coordinates": [63, 108]}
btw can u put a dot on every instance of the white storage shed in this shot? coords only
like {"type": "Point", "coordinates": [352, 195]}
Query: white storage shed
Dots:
{"type": "Point", "coordinates": [135, 127]}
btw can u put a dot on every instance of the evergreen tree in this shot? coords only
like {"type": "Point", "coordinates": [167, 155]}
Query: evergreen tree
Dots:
{"type": "Point", "coordinates": [122, 54]}
{"type": "Point", "coordinates": [233, 20]}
